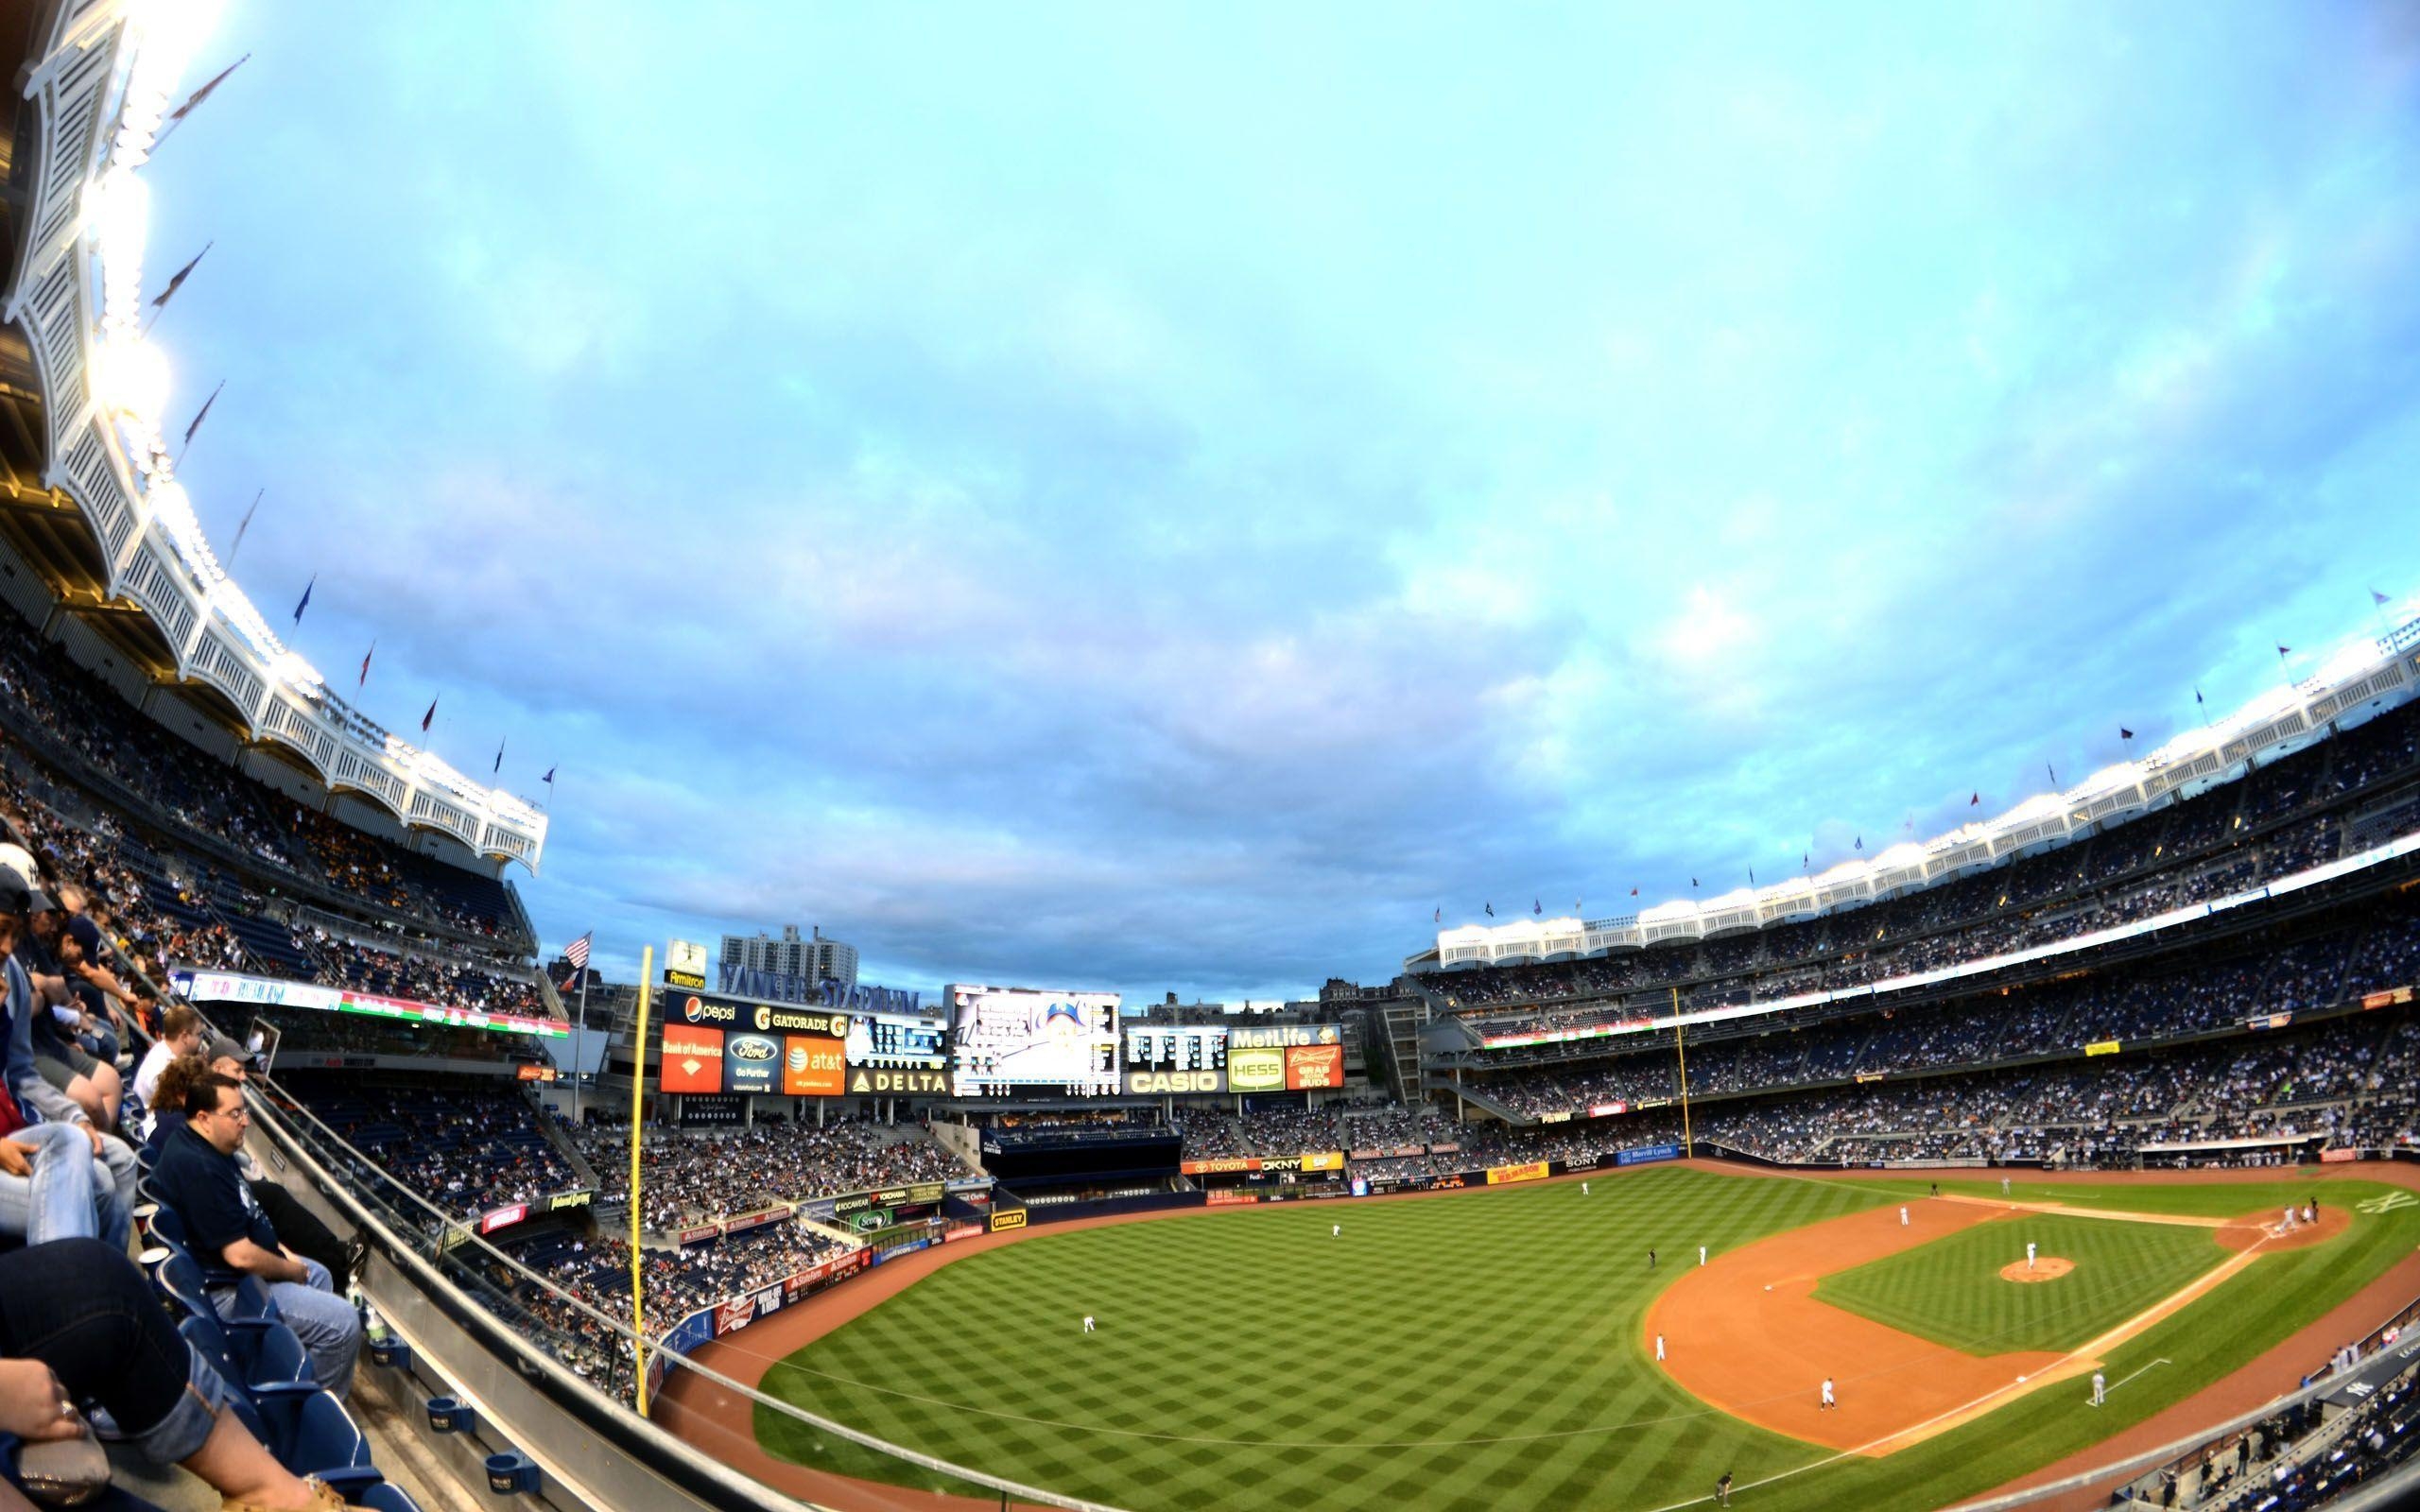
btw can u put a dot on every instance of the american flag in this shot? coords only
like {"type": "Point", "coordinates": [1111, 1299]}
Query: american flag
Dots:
{"type": "Point", "coordinates": [577, 952]}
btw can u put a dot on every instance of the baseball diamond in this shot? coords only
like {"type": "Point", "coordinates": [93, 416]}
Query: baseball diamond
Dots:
{"type": "Point", "coordinates": [1496, 1348]}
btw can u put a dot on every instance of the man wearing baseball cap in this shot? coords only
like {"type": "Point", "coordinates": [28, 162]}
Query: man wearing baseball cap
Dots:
{"type": "Point", "coordinates": [58, 1058]}
{"type": "Point", "coordinates": [54, 1183]}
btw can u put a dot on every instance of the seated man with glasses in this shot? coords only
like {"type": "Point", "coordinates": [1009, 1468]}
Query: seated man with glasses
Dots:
{"type": "Point", "coordinates": [197, 1175]}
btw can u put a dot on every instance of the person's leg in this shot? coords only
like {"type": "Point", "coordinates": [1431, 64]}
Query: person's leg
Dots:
{"type": "Point", "coordinates": [112, 1090]}
{"type": "Point", "coordinates": [299, 1230]}
{"type": "Point", "coordinates": [86, 1311]}
{"type": "Point", "coordinates": [16, 1205]}
{"type": "Point", "coordinates": [63, 1204]}
{"type": "Point", "coordinates": [327, 1324]}
{"type": "Point", "coordinates": [113, 1176]}
{"type": "Point", "coordinates": [87, 1094]}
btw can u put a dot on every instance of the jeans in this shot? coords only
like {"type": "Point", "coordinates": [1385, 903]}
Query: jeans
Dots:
{"type": "Point", "coordinates": [62, 1199]}
{"type": "Point", "coordinates": [325, 1322]}
{"type": "Point", "coordinates": [113, 1177]}
{"type": "Point", "coordinates": [83, 1309]}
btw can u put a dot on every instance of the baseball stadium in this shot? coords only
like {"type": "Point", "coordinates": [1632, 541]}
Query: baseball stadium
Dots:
{"type": "Point", "coordinates": [2060, 1150]}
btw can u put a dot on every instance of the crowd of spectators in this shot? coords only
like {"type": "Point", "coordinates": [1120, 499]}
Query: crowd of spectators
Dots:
{"type": "Point", "coordinates": [594, 1268]}
{"type": "Point", "coordinates": [468, 1151]}
{"type": "Point", "coordinates": [691, 1176]}
{"type": "Point", "coordinates": [2336, 969]}
{"type": "Point", "coordinates": [182, 788]}
{"type": "Point", "coordinates": [2233, 836]}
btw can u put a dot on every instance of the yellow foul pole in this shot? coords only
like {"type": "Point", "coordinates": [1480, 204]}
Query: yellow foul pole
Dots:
{"type": "Point", "coordinates": [1679, 1047]}
{"type": "Point", "coordinates": [638, 1106]}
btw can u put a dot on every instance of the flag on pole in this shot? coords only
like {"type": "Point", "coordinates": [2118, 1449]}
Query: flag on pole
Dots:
{"type": "Point", "coordinates": [2123, 734]}
{"type": "Point", "coordinates": [2284, 651]}
{"type": "Point", "coordinates": [1634, 892]}
{"type": "Point", "coordinates": [363, 681]}
{"type": "Point", "coordinates": [549, 778]}
{"type": "Point", "coordinates": [500, 758]}
{"type": "Point", "coordinates": [246, 525]}
{"type": "Point", "coordinates": [2054, 771]}
{"type": "Point", "coordinates": [306, 597]}
{"type": "Point", "coordinates": [1974, 800]}
{"type": "Point", "coordinates": [203, 94]}
{"type": "Point", "coordinates": [1861, 842]}
{"type": "Point", "coordinates": [1491, 909]}
{"type": "Point", "coordinates": [178, 281]}
{"type": "Point", "coordinates": [2377, 598]}
{"type": "Point", "coordinates": [1436, 916]}
{"type": "Point", "coordinates": [426, 718]}
{"type": "Point", "coordinates": [2197, 698]}
{"type": "Point", "coordinates": [577, 952]}
{"type": "Point", "coordinates": [1537, 905]}
{"type": "Point", "coordinates": [203, 413]}
{"type": "Point", "coordinates": [1752, 876]}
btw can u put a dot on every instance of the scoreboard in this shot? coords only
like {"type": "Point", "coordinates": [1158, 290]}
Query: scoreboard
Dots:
{"type": "Point", "coordinates": [1162, 1059]}
{"type": "Point", "coordinates": [897, 1041]}
{"type": "Point", "coordinates": [1010, 1041]}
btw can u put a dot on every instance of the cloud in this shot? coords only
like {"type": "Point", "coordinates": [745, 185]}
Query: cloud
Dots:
{"type": "Point", "coordinates": [1039, 521]}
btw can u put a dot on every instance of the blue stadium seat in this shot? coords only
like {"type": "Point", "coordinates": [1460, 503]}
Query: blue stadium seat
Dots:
{"type": "Point", "coordinates": [328, 1444]}
{"type": "Point", "coordinates": [385, 1497]}
{"type": "Point", "coordinates": [184, 1279]}
{"type": "Point", "coordinates": [280, 1358]}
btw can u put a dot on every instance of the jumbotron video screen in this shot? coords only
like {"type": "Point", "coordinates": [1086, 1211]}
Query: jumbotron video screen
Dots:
{"type": "Point", "coordinates": [1009, 1040]}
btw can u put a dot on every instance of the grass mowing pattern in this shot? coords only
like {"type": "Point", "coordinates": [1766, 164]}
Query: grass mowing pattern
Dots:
{"type": "Point", "coordinates": [1446, 1320]}
{"type": "Point", "coordinates": [1429, 1323]}
{"type": "Point", "coordinates": [1950, 1291]}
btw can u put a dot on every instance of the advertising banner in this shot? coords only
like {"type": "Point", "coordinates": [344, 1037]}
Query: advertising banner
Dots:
{"type": "Point", "coordinates": [2386, 999]}
{"type": "Point", "coordinates": [1499, 1176]}
{"type": "Point", "coordinates": [1559, 1116]}
{"type": "Point", "coordinates": [736, 1314]}
{"type": "Point", "coordinates": [503, 1217]}
{"type": "Point", "coordinates": [1324, 1161]}
{"type": "Point", "coordinates": [1314, 1066]}
{"type": "Point", "coordinates": [749, 1061]}
{"type": "Point", "coordinates": [1866, 1078]}
{"type": "Point", "coordinates": [1281, 1035]}
{"type": "Point", "coordinates": [684, 964]}
{"type": "Point", "coordinates": [1607, 1109]}
{"type": "Point", "coordinates": [753, 1220]}
{"type": "Point", "coordinates": [1232, 1197]}
{"type": "Point", "coordinates": [899, 1082]}
{"type": "Point", "coordinates": [234, 987]}
{"type": "Point", "coordinates": [2103, 1047]}
{"type": "Point", "coordinates": [1255, 1070]}
{"type": "Point", "coordinates": [813, 1066]}
{"type": "Point", "coordinates": [1647, 1153]}
{"type": "Point", "coordinates": [1220, 1165]}
{"type": "Point", "coordinates": [698, 1234]}
{"type": "Point", "coordinates": [1164, 1060]}
{"type": "Point", "coordinates": [1004, 1219]}
{"type": "Point", "coordinates": [692, 1060]}
{"type": "Point", "coordinates": [2339, 1157]}
{"type": "Point", "coordinates": [570, 1199]}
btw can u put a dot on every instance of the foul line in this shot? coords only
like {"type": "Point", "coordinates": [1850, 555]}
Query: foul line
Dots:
{"type": "Point", "coordinates": [2128, 1376]}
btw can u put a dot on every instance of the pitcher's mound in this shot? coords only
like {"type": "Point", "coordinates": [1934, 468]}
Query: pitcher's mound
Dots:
{"type": "Point", "coordinates": [2046, 1268]}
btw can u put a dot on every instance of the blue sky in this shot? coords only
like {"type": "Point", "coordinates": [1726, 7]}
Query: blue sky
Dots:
{"type": "Point", "coordinates": [1162, 498]}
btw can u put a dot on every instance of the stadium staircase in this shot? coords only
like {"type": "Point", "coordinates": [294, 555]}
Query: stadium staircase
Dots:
{"type": "Point", "coordinates": [1400, 1021]}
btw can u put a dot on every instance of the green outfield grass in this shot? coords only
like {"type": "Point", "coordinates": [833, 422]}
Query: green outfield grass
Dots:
{"type": "Point", "coordinates": [1950, 1290]}
{"type": "Point", "coordinates": [1471, 1351]}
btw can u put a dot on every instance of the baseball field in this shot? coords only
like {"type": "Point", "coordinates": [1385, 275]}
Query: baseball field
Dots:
{"type": "Point", "coordinates": [1496, 1348]}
